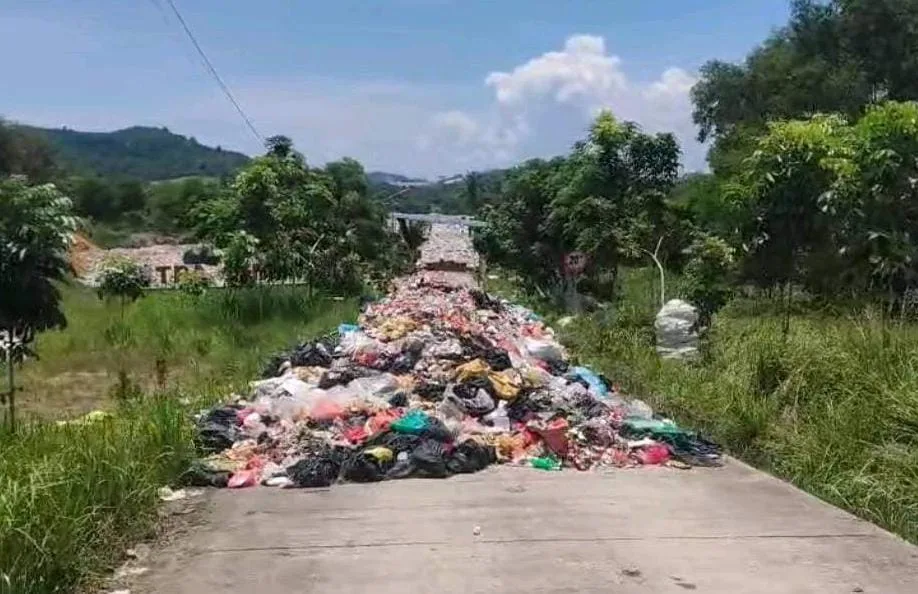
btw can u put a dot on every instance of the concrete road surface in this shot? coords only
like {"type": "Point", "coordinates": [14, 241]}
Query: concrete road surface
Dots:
{"type": "Point", "coordinates": [730, 531]}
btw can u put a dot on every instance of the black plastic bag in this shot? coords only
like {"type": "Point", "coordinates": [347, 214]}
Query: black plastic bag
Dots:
{"type": "Point", "coordinates": [362, 468]}
{"type": "Point", "coordinates": [485, 301]}
{"type": "Point", "coordinates": [436, 431]}
{"type": "Point", "coordinates": [430, 391]}
{"type": "Point", "coordinates": [399, 400]}
{"type": "Point", "coordinates": [311, 355]}
{"type": "Point", "coordinates": [217, 430]}
{"type": "Point", "coordinates": [471, 456]}
{"type": "Point", "coordinates": [429, 459]}
{"type": "Point", "coordinates": [397, 442]}
{"type": "Point", "coordinates": [319, 470]}
{"type": "Point", "coordinates": [404, 363]}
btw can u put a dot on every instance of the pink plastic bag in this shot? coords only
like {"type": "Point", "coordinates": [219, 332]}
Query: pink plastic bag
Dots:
{"type": "Point", "coordinates": [326, 410]}
{"type": "Point", "coordinates": [244, 478]}
{"type": "Point", "coordinates": [655, 454]}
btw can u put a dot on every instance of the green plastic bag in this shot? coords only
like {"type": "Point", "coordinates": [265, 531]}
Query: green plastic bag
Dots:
{"type": "Point", "coordinates": [414, 423]}
{"type": "Point", "coordinates": [545, 463]}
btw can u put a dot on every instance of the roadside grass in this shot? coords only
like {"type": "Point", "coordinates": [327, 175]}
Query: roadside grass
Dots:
{"type": "Point", "coordinates": [833, 408]}
{"type": "Point", "coordinates": [74, 496]}
{"type": "Point", "coordinates": [169, 341]}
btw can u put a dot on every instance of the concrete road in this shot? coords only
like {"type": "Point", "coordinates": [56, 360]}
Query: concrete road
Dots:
{"type": "Point", "coordinates": [730, 530]}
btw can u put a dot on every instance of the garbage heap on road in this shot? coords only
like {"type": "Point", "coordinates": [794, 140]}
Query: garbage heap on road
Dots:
{"type": "Point", "coordinates": [438, 378]}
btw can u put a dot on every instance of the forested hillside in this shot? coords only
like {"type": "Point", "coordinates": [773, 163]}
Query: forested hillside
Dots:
{"type": "Point", "coordinates": [139, 152]}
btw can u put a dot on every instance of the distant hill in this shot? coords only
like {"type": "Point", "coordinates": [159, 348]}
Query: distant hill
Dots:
{"type": "Point", "coordinates": [139, 152]}
{"type": "Point", "coordinates": [445, 196]}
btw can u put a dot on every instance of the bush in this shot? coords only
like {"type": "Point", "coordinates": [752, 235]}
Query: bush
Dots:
{"type": "Point", "coordinates": [708, 276]}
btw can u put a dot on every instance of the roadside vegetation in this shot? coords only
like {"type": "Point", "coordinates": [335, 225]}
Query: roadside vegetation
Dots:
{"type": "Point", "coordinates": [77, 491]}
{"type": "Point", "coordinates": [798, 249]}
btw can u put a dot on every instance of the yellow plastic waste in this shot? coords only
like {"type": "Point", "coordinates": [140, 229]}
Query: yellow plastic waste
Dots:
{"type": "Point", "coordinates": [380, 453]}
{"type": "Point", "coordinates": [472, 370]}
{"type": "Point", "coordinates": [506, 385]}
{"type": "Point", "coordinates": [395, 328]}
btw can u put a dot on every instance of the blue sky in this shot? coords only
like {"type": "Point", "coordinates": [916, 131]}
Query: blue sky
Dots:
{"type": "Point", "coordinates": [422, 87]}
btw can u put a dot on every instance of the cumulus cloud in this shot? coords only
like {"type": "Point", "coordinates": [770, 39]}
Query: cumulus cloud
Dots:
{"type": "Point", "coordinates": [541, 106]}
{"type": "Point", "coordinates": [536, 108]}
{"type": "Point", "coordinates": [581, 70]}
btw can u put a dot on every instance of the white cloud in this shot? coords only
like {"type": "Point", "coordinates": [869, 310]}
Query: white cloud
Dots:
{"type": "Point", "coordinates": [675, 83]}
{"type": "Point", "coordinates": [541, 106]}
{"type": "Point", "coordinates": [536, 108]}
{"type": "Point", "coordinates": [582, 69]}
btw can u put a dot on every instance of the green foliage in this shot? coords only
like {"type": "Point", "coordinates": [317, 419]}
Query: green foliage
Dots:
{"type": "Point", "coordinates": [838, 56]}
{"type": "Point", "coordinates": [240, 260]}
{"type": "Point", "coordinates": [36, 227]}
{"type": "Point", "coordinates": [122, 279]}
{"type": "Point", "coordinates": [831, 408]}
{"type": "Point", "coordinates": [287, 221]}
{"type": "Point", "coordinates": [830, 205]}
{"type": "Point", "coordinates": [140, 153]}
{"type": "Point", "coordinates": [607, 200]}
{"type": "Point", "coordinates": [25, 153]}
{"type": "Point", "coordinates": [708, 276]}
{"type": "Point", "coordinates": [194, 284]}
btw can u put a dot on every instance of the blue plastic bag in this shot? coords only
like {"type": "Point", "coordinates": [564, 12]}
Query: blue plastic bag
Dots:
{"type": "Point", "coordinates": [348, 328]}
{"type": "Point", "coordinates": [597, 386]}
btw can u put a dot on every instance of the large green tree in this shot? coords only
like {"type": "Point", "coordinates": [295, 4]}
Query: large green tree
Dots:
{"type": "Point", "coordinates": [838, 56]}
{"type": "Point", "coordinates": [36, 226]}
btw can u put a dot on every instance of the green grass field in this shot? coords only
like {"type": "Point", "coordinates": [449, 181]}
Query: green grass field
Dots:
{"type": "Point", "coordinates": [175, 343]}
{"type": "Point", "coordinates": [832, 409]}
{"type": "Point", "coordinates": [74, 497]}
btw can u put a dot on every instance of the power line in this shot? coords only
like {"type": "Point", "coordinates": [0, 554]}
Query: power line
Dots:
{"type": "Point", "coordinates": [213, 71]}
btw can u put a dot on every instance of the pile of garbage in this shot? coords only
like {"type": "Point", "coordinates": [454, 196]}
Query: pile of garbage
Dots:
{"type": "Point", "coordinates": [437, 379]}
{"type": "Point", "coordinates": [448, 247]}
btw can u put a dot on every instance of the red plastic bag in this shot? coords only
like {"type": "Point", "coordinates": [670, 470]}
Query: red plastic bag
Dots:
{"type": "Point", "coordinates": [248, 476]}
{"type": "Point", "coordinates": [554, 435]}
{"type": "Point", "coordinates": [326, 410]}
{"type": "Point", "coordinates": [655, 454]}
{"type": "Point", "coordinates": [355, 434]}
{"type": "Point", "coordinates": [381, 421]}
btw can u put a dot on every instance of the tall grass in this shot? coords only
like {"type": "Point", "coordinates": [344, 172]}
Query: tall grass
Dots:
{"type": "Point", "coordinates": [73, 497]}
{"type": "Point", "coordinates": [210, 344]}
{"type": "Point", "coordinates": [832, 408]}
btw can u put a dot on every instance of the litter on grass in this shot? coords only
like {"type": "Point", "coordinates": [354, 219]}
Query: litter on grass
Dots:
{"type": "Point", "coordinates": [439, 378]}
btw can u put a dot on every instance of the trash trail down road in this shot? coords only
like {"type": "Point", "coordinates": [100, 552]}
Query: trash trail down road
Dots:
{"type": "Point", "coordinates": [426, 385]}
{"type": "Point", "coordinates": [436, 379]}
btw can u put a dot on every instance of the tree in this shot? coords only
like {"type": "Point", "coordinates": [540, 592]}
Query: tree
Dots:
{"type": "Point", "coordinates": [124, 281]}
{"type": "Point", "coordinates": [781, 193]}
{"type": "Point", "coordinates": [300, 223]}
{"type": "Point", "coordinates": [708, 276]}
{"type": "Point", "coordinates": [613, 203]}
{"type": "Point", "coordinates": [36, 227]}
{"type": "Point", "coordinates": [874, 201]}
{"type": "Point", "coordinates": [25, 153]}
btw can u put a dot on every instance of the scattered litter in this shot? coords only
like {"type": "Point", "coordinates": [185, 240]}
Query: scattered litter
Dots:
{"type": "Point", "coordinates": [476, 531]}
{"type": "Point", "coordinates": [139, 553]}
{"type": "Point", "coordinates": [436, 379]}
{"type": "Point", "coordinates": [130, 571]}
{"type": "Point", "coordinates": [632, 572]}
